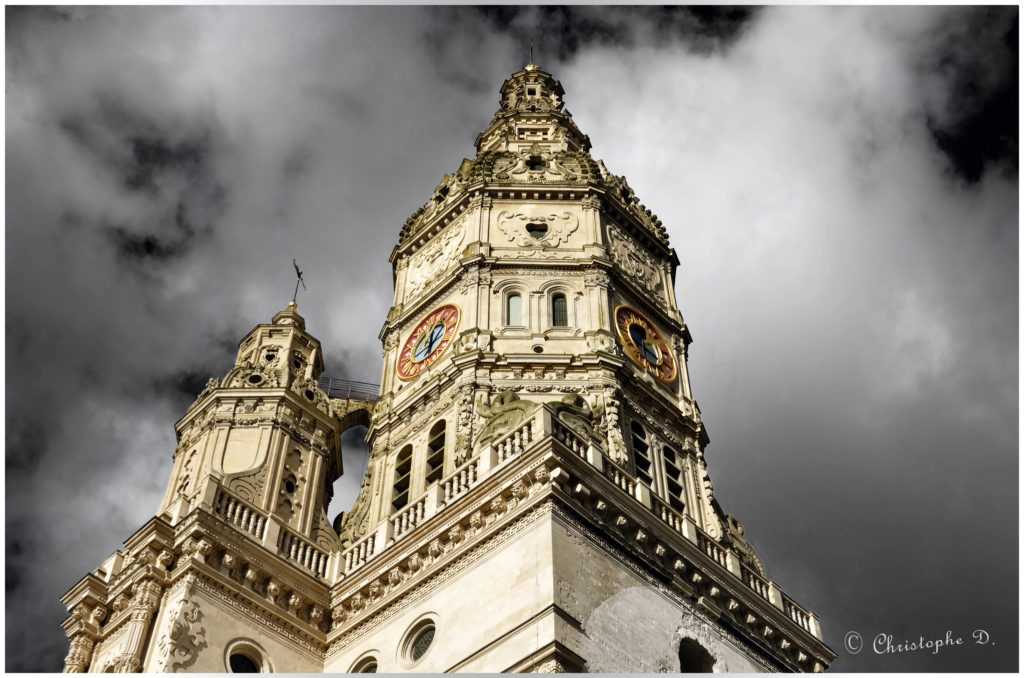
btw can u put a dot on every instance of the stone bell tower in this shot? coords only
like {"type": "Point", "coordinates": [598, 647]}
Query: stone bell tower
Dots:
{"type": "Point", "coordinates": [252, 476]}
{"type": "Point", "coordinates": [536, 497]}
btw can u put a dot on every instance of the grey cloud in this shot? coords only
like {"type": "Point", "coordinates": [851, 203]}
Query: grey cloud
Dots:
{"type": "Point", "coordinates": [853, 300]}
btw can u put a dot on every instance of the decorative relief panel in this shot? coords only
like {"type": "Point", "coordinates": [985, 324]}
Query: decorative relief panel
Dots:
{"type": "Point", "coordinates": [184, 637]}
{"type": "Point", "coordinates": [638, 264]}
{"type": "Point", "coordinates": [433, 260]}
{"type": "Point", "coordinates": [537, 230]}
{"type": "Point", "coordinates": [249, 486]}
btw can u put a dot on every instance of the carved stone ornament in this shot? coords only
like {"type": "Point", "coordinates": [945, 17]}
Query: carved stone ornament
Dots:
{"type": "Point", "coordinates": [506, 411]}
{"type": "Point", "coordinates": [637, 262]}
{"type": "Point", "coordinates": [79, 655]}
{"type": "Point", "coordinates": [434, 260]}
{"type": "Point", "coordinates": [309, 390]}
{"type": "Point", "coordinates": [529, 230]}
{"type": "Point", "coordinates": [185, 636]}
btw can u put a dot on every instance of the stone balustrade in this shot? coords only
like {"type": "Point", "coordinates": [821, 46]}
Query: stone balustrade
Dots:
{"type": "Point", "coordinates": [519, 440]}
{"type": "Point", "coordinates": [514, 442]}
{"type": "Point", "coordinates": [301, 552]}
{"type": "Point", "coordinates": [569, 438]}
{"type": "Point", "coordinates": [238, 513]}
{"type": "Point", "coordinates": [409, 517]}
{"type": "Point", "coordinates": [356, 555]}
{"type": "Point", "coordinates": [459, 482]}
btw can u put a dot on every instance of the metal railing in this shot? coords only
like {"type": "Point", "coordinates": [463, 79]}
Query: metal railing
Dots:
{"type": "Point", "coordinates": [349, 390]}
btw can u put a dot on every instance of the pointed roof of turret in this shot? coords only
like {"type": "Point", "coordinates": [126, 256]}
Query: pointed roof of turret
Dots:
{"type": "Point", "coordinates": [531, 96]}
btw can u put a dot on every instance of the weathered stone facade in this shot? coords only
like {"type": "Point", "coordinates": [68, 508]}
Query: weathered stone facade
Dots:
{"type": "Point", "coordinates": [536, 497]}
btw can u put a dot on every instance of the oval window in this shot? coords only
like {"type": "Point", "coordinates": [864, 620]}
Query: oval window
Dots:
{"type": "Point", "coordinates": [422, 642]}
{"type": "Point", "coordinates": [418, 642]}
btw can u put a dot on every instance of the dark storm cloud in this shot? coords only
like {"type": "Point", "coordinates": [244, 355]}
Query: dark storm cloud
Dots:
{"type": "Point", "coordinates": [559, 32]}
{"type": "Point", "coordinates": [840, 185]}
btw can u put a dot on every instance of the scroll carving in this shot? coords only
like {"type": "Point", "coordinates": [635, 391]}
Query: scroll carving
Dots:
{"type": "Point", "coordinates": [549, 230]}
{"type": "Point", "coordinates": [180, 644]}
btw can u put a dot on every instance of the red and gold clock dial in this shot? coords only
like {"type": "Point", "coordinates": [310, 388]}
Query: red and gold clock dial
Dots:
{"type": "Point", "coordinates": [644, 344]}
{"type": "Point", "coordinates": [428, 341]}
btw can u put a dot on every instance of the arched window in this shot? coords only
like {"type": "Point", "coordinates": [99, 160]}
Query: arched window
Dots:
{"type": "Point", "coordinates": [641, 453]}
{"type": "Point", "coordinates": [365, 665]}
{"type": "Point", "coordinates": [242, 663]}
{"type": "Point", "coordinates": [693, 658]}
{"type": "Point", "coordinates": [403, 466]}
{"type": "Point", "coordinates": [245, 656]}
{"type": "Point", "coordinates": [435, 452]}
{"type": "Point", "coordinates": [673, 477]}
{"type": "Point", "coordinates": [559, 311]}
{"type": "Point", "coordinates": [514, 310]}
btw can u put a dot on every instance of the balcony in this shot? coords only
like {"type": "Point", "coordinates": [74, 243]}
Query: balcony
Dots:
{"type": "Point", "coordinates": [541, 427]}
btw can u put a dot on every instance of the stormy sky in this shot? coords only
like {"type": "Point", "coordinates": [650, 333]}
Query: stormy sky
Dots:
{"type": "Point", "coordinates": [840, 185]}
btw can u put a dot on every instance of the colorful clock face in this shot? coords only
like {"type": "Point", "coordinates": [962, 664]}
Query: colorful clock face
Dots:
{"type": "Point", "coordinates": [644, 344]}
{"type": "Point", "coordinates": [428, 341]}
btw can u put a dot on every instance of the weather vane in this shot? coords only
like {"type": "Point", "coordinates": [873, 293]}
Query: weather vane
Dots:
{"type": "Point", "coordinates": [298, 273]}
{"type": "Point", "coordinates": [531, 50]}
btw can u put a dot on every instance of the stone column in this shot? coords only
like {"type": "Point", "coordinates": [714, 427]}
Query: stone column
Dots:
{"type": "Point", "coordinates": [591, 205]}
{"type": "Point", "coordinates": [79, 654]}
{"type": "Point", "coordinates": [145, 598]}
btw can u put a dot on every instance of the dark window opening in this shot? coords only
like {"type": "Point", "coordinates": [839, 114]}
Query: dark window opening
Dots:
{"type": "Point", "coordinates": [537, 231]}
{"type": "Point", "coordinates": [422, 642]}
{"type": "Point", "coordinates": [673, 478]}
{"type": "Point", "coordinates": [641, 454]}
{"type": "Point", "coordinates": [242, 663]}
{"type": "Point", "coordinates": [693, 658]}
{"type": "Point", "coordinates": [435, 452]}
{"type": "Point", "coordinates": [559, 311]}
{"type": "Point", "coordinates": [403, 465]}
{"type": "Point", "coordinates": [535, 163]}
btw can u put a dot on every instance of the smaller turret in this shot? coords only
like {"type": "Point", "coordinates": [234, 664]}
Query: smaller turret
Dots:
{"type": "Point", "coordinates": [264, 434]}
{"type": "Point", "coordinates": [532, 114]}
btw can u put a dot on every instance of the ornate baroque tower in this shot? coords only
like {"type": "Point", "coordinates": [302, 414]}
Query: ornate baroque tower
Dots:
{"type": "Point", "coordinates": [536, 497]}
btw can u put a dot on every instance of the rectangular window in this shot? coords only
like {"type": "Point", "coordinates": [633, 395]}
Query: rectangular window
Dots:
{"type": "Point", "coordinates": [559, 311]}
{"type": "Point", "coordinates": [641, 454]}
{"type": "Point", "coordinates": [514, 312]}
{"type": "Point", "coordinates": [673, 478]}
{"type": "Point", "coordinates": [403, 466]}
